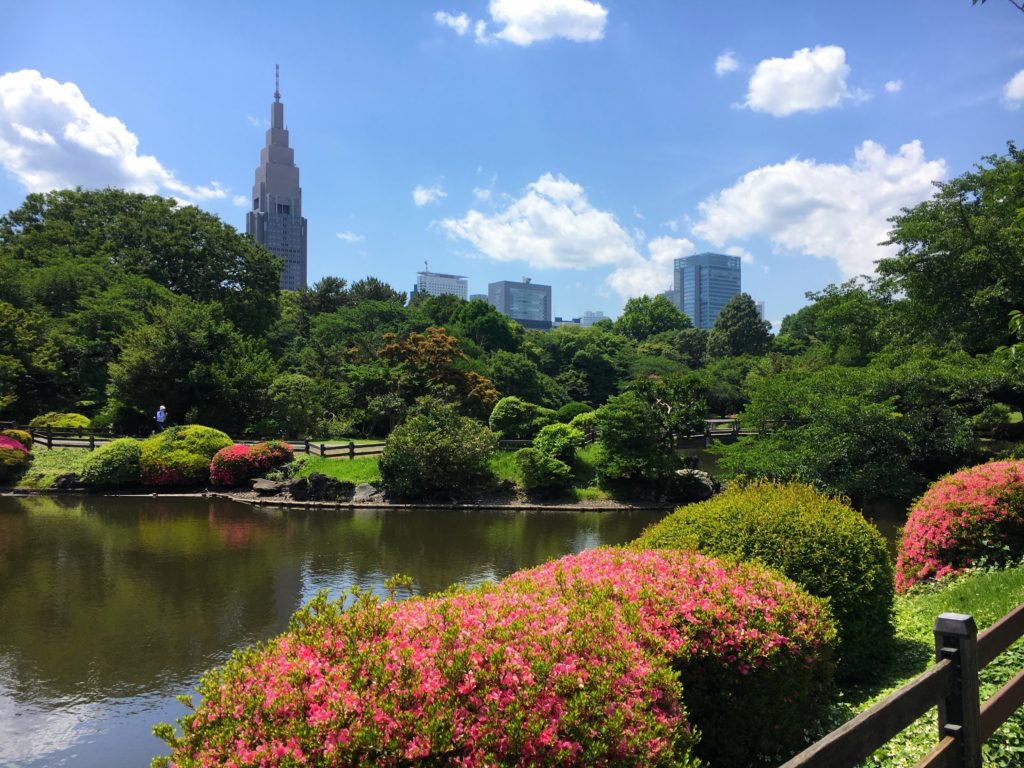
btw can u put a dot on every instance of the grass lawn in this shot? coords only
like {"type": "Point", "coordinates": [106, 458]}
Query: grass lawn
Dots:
{"type": "Point", "coordinates": [354, 470]}
{"type": "Point", "coordinates": [48, 463]}
{"type": "Point", "coordinates": [986, 595]}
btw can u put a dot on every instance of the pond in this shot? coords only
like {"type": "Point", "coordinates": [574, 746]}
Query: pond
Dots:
{"type": "Point", "coordinates": [110, 607]}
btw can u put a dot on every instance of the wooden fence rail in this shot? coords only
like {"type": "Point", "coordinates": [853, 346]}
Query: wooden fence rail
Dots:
{"type": "Point", "coordinates": [951, 684]}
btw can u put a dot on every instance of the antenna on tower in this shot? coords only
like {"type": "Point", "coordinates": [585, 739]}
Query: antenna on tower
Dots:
{"type": "Point", "coordinates": [426, 266]}
{"type": "Point", "coordinates": [277, 82]}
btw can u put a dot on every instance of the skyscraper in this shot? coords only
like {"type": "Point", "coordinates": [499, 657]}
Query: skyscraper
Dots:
{"type": "Point", "coordinates": [527, 303]}
{"type": "Point", "coordinates": [275, 220]}
{"type": "Point", "coordinates": [703, 283]}
{"type": "Point", "coordinates": [439, 284]}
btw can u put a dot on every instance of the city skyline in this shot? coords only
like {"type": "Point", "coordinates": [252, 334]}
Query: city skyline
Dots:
{"type": "Point", "coordinates": [587, 144]}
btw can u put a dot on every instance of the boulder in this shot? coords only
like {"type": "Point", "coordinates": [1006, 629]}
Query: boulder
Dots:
{"type": "Point", "coordinates": [691, 485]}
{"type": "Point", "coordinates": [264, 487]}
{"type": "Point", "coordinates": [365, 492]}
{"type": "Point", "coordinates": [67, 481]}
{"type": "Point", "coordinates": [319, 487]}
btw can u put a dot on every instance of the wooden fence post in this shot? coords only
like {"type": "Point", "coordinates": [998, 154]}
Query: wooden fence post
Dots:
{"type": "Point", "coordinates": [956, 638]}
{"type": "Point", "coordinates": [351, 450]}
{"type": "Point", "coordinates": [49, 437]}
{"type": "Point", "coordinates": [305, 444]}
{"type": "Point", "coordinates": [322, 449]}
{"type": "Point", "coordinates": [92, 442]}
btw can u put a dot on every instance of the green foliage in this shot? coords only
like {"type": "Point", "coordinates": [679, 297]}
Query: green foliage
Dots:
{"type": "Point", "coordinates": [60, 421]}
{"type": "Point", "coordinates": [294, 404]}
{"type": "Point", "coordinates": [436, 453]}
{"type": "Point", "coordinates": [13, 461]}
{"type": "Point", "coordinates": [992, 417]}
{"type": "Point", "coordinates": [816, 540]}
{"type": "Point", "coordinates": [634, 454]}
{"type": "Point", "coordinates": [515, 419]}
{"type": "Point", "coordinates": [373, 289]}
{"type": "Point", "coordinates": [487, 327]}
{"type": "Point", "coordinates": [569, 411]}
{"type": "Point", "coordinates": [644, 317]}
{"type": "Point", "coordinates": [739, 330]}
{"type": "Point", "coordinates": [50, 463]}
{"type": "Point", "coordinates": [28, 358]}
{"type": "Point", "coordinates": [356, 471]}
{"type": "Point", "coordinates": [23, 437]}
{"type": "Point", "coordinates": [960, 254]}
{"type": "Point", "coordinates": [559, 441]}
{"type": "Point", "coordinates": [113, 464]}
{"type": "Point", "coordinates": [180, 455]}
{"type": "Point", "coordinates": [848, 321]}
{"type": "Point", "coordinates": [542, 473]}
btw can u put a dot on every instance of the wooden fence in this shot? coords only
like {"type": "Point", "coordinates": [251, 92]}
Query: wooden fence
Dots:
{"type": "Point", "coordinates": [952, 684]}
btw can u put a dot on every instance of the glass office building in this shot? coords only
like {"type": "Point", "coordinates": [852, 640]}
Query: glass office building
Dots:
{"type": "Point", "coordinates": [703, 283]}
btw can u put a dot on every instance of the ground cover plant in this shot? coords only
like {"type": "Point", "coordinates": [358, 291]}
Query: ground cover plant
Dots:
{"type": "Point", "coordinates": [180, 455]}
{"type": "Point", "coordinates": [568, 664]}
{"type": "Point", "coordinates": [974, 516]}
{"type": "Point", "coordinates": [23, 437]}
{"type": "Point", "coordinates": [816, 540]}
{"type": "Point", "coordinates": [49, 463]}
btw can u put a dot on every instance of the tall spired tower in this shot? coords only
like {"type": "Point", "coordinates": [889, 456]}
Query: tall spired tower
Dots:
{"type": "Point", "coordinates": [275, 220]}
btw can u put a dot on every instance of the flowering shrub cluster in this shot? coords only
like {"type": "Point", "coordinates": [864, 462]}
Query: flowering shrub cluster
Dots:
{"type": "Point", "coordinates": [816, 540]}
{"type": "Point", "coordinates": [14, 457]}
{"type": "Point", "coordinates": [972, 516]}
{"type": "Point", "coordinates": [751, 648]}
{"type": "Point", "coordinates": [180, 455]}
{"type": "Point", "coordinates": [236, 464]}
{"type": "Point", "coordinates": [569, 664]}
{"type": "Point", "coordinates": [23, 437]}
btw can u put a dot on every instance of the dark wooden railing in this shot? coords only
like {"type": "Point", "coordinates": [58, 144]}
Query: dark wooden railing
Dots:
{"type": "Point", "coordinates": [951, 684]}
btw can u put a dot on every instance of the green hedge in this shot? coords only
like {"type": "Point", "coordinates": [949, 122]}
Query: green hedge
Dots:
{"type": "Point", "coordinates": [116, 463]}
{"type": "Point", "coordinates": [60, 421]}
{"type": "Point", "coordinates": [180, 455]}
{"type": "Point", "coordinates": [816, 540]}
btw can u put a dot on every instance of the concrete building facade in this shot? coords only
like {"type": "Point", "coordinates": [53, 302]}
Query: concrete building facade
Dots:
{"type": "Point", "coordinates": [439, 284]}
{"type": "Point", "coordinates": [526, 302]}
{"type": "Point", "coordinates": [703, 283]}
{"type": "Point", "coordinates": [275, 220]}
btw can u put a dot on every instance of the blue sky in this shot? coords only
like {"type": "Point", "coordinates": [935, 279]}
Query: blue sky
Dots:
{"type": "Point", "coordinates": [583, 144]}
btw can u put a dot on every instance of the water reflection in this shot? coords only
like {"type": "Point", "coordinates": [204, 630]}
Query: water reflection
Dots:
{"type": "Point", "coordinates": [111, 606]}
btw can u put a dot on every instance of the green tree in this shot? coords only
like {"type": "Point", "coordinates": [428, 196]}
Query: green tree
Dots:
{"type": "Point", "coordinates": [372, 289]}
{"type": "Point", "coordinates": [28, 361]}
{"type": "Point", "coordinates": [960, 257]}
{"type": "Point", "coordinates": [633, 454]}
{"type": "Point", "coordinates": [295, 405]}
{"type": "Point", "coordinates": [487, 327]}
{"type": "Point", "coordinates": [643, 317]}
{"type": "Point", "coordinates": [739, 330]}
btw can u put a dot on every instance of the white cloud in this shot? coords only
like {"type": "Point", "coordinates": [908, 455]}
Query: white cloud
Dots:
{"type": "Point", "coordinates": [809, 80]}
{"type": "Point", "coordinates": [460, 23]}
{"type": "Point", "coordinates": [894, 86]}
{"type": "Point", "coordinates": [726, 63]}
{"type": "Point", "coordinates": [424, 195]}
{"type": "Point", "coordinates": [653, 275]}
{"type": "Point", "coordinates": [240, 201]}
{"type": "Point", "coordinates": [51, 138]}
{"type": "Point", "coordinates": [745, 256]}
{"type": "Point", "coordinates": [829, 211]}
{"type": "Point", "coordinates": [481, 194]}
{"type": "Point", "coordinates": [349, 237]}
{"type": "Point", "coordinates": [551, 226]}
{"type": "Point", "coordinates": [524, 22]}
{"type": "Point", "coordinates": [255, 122]}
{"type": "Point", "coordinates": [1013, 91]}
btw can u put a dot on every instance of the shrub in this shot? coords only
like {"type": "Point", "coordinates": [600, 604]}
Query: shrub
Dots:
{"type": "Point", "coordinates": [541, 473]}
{"type": "Point", "coordinates": [515, 419]}
{"type": "Point", "coordinates": [569, 411]}
{"type": "Point", "coordinates": [436, 453]}
{"type": "Point", "coordinates": [559, 441]}
{"type": "Point", "coordinates": [180, 455]}
{"type": "Point", "coordinates": [60, 421]}
{"type": "Point", "coordinates": [23, 437]}
{"type": "Point", "coordinates": [585, 423]}
{"type": "Point", "coordinates": [635, 454]}
{"type": "Point", "coordinates": [116, 463]}
{"type": "Point", "coordinates": [513, 675]}
{"type": "Point", "coordinates": [237, 464]}
{"type": "Point", "coordinates": [992, 418]}
{"type": "Point", "coordinates": [816, 540]}
{"type": "Point", "coordinates": [753, 651]}
{"type": "Point", "coordinates": [272, 454]}
{"type": "Point", "coordinates": [975, 516]}
{"type": "Point", "coordinates": [14, 458]}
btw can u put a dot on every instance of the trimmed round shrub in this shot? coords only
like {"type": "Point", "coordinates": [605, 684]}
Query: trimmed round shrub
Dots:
{"type": "Point", "coordinates": [115, 463]}
{"type": "Point", "coordinates": [272, 454]}
{"type": "Point", "coordinates": [180, 455]}
{"type": "Point", "coordinates": [437, 453]}
{"type": "Point", "coordinates": [14, 458]}
{"type": "Point", "coordinates": [540, 473]}
{"type": "Point", "coordinates": [816, 540]}
{"type": "Point", "coordinates": [60, 421]}
{"type": "Point", "coordinates": [559, 441]}
{"type": "Point", "coordinates": [23, 437]}
{"type": "Point", "coordinates": [237, 464]}
{"type": "Point", "coordinates": [972, 517]}
{"type": "Point", "coordinates": [511, 675]}
{"type": "Point", "coordinates": [569, 411]}
{"type": "Point", "coordinates": [516, 419]}
{"type": "Point", "coordinates": [753, 651]}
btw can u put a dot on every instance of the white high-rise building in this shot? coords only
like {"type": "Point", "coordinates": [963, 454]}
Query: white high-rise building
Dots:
{"type": "Point", "coordinates": [276, 220]}
{"type": "Point", "coordinates": [439, 284]}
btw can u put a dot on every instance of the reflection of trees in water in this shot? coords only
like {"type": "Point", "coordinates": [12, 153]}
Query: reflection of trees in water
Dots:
{"type": "Point", "coordinates": [118, 596]}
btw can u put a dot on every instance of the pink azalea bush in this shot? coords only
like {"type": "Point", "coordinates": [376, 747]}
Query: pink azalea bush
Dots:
{"type": "Point", "coordinates": [235, 465]}
{"type": "Point", "coordinates": [10, 442]}
{"type": "Point", "coordinates": [973, 516]}
{"type": "Point", "coordinates": [14, 457]}
{"type": "Point", "coordinates": [569, 664]}
{"type": "Point", "coordinates": [750, 647]}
